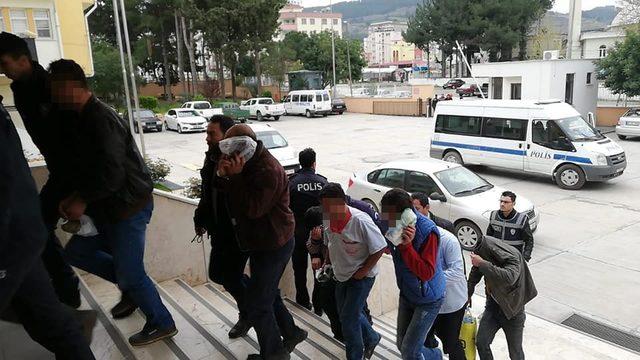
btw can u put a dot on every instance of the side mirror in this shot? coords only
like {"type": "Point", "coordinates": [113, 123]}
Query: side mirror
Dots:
{"type": "Point", "coordinates": [438, 197]}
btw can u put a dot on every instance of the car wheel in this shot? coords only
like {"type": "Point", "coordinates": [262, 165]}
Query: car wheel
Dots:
{"type": "Point", "coordinates": [468, 234]}
{"type": "Point", "coordinates": [308, 114]}
{"type": "Point", "coordinates": [324, 115]}
{"type": "Point", "coordinates": [570, 177]}
{"type": "Point", "coordinates": [159, 129]}
{"type": "Point", "coordinates": [453, 156]}
{"type": "Point", "coordinates": [622, 137]}
{"type": "Point", "coordinates": [373, 205]}
{"type": "Point", "coordinates": [341, 112]}
{"type": "Point", "coordinates": [179, 128]}
{"type": "Point", "coordinates": [276, 118]}
{"type": "Point", "coordinates": [259, 116]}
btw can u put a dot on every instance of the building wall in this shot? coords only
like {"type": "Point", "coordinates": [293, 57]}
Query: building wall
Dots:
{"type": "Point", "coordinates": [591, 46]}
{"type": "Point", "coordinates": [309, 23]}
{"type": "Point", "coordinates": [381, 40]}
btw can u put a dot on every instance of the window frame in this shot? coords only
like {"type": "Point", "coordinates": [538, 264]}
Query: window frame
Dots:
{"type": "Point", "coordinates": [385, 170]}
{"type": "Point", "coordinates": [303, 21]}
{"type": "Point", "coordinates": [523, 137]}
{"type": "Point", "coordinates": [47, 19]}
{"type": "Point", "coordinates": [12, 20]}
{"type": "Point", "coordinates": [546, 145]}
{"type": "Point", "coordinates": [452, 132]}
{"type": "Point", "coordinates": [295, 98]}
{"type": "Point", "coordinates": [420, 173]}
{"type": "Point", "coordinates": [312, 21]}
{"type": "Point", "coordinates": [324, 21]}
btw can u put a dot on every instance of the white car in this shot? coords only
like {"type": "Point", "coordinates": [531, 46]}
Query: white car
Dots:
{"type": "Point", "coordinates": [277, 146]}
{"type": "Point", "coordinates": [184, 120]}
{"type": "Point", "coordinates": [629, 124]}
{"type": "Point", "coordinates": [261, 108]}
{"type": "Point", "coordinates": [457, 193]}
{"type": "Point", "coordinates": [203, 108]}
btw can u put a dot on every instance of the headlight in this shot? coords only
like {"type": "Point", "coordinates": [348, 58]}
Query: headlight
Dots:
{"type": "Point", "coordinates": [487, 214]}
{"type": "Point", "coordinates": [601, 159]}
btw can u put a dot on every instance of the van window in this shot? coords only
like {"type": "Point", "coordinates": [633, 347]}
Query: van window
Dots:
{"type": "Point", "coordinates": [295, 98]}
{"type": "Point", "coordinates": [419, 182]}
{"type": "Point", "coordinates": [548, 134]}
{"type": "Point", "coordinates": [456, 124]}
{"type": "Point", "coordinates": [511, 129]}
{"type": "Point", "coordinates": [392, 178]}
{"type": "Point", "coordinates": [325, 97]}
{"type": "Point", "coordinates": [318, 98]}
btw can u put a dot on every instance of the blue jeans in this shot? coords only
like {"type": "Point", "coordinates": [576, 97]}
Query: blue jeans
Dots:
{"type": "Point", "coordinates": [351, 297]}
{"type": "Point", "coordinates": [116, 254]}
{"type": "Point", "coordinates": [414, 323]}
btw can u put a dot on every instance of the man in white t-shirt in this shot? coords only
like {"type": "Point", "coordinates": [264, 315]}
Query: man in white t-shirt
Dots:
{"type": "Point", "coordinates": [355, 245]}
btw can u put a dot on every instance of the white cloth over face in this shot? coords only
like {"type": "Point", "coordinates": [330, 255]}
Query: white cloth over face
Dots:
{"type": "Point", "coordinates": [241, 145]}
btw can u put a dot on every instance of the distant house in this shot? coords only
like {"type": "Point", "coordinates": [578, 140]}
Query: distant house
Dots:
{"type": "Point", "coordinates": [597, 44]}
{"type": "Point", "coordinates": [293, 18]}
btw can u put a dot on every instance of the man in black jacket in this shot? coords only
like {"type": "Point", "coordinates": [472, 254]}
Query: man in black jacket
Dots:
{"type": "Point", "coordinates": [510, 226]}
{"type": "Point", "coordinates": [32, 97]}
{"type": "Point", "coordinates": [114, 188]}
{"type": "Point", "coordinates": [304, 191]}
{"type": "Point", "coordinates": [227, 262]}
{"type": "Point", "coordinates": [421, 204]}
{"type": "Point", "coordinates": [24, 283]}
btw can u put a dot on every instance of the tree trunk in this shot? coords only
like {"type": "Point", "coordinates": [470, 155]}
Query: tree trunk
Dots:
{"type": "Point", "coordinates": [180, 59]}
{"type": "Point", "coordinates": [233, 79]}
{"type": "Point", "coordinates": [428, 62]}
{"type": "Point", "coordinates": [258, 71]}
{"type": "Point", "coordinates": [220, 65]}
{"type": "Point", "coordinates": [167, 70]}
{"type": "Point", "coordinates": [188, 43]}
{"type": "Point", "coordinates": [522, 54]}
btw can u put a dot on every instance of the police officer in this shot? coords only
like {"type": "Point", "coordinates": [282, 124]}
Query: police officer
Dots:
{"type": "Point", "coordinates": [511, 226]}
{"type": "Point", "coordinates": [304, 190]}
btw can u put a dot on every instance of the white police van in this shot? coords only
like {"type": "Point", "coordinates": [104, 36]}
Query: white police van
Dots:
{"type": "Point", "coordinates": [308, 102]}
{"type": "Point", "coordinates": [544, 137]}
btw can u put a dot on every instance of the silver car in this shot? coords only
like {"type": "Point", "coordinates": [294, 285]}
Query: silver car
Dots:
{"type": "Point", "coordinates": [457, 193]}
{"type": "Point", "coordinates": [629, 124]}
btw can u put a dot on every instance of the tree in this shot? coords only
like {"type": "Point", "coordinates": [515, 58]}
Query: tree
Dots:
{"type": "Point", "coordinates": [107, 81]}
{"type": "Point", "coordinates": [620, 70]}
{"type": "Point", "coordinates": [279, 60]}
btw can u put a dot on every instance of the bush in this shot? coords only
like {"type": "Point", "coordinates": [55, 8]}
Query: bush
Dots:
{"type": "Point", "coordinates": [193, 188]}
{"type": "Point", "coordinates": [159, 169]}
{"type": "Point", "coordinates": [266, 93]}
{"type": "Point", "coordinates": [148, 102]}
{"type": "Point", "coordinates": [199, 97]}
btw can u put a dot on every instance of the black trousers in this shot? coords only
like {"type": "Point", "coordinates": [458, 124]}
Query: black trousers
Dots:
{"type": "Point", "coordinates": [300, 262]}
{"type": "Point", "coordinates": [447, 329]}
{"type": "Point", "coordinates": [46, 319]}
{"type": "Point", "coordinates": [226, 267]}
{"type": "Point", "coordinates": [493, 319]}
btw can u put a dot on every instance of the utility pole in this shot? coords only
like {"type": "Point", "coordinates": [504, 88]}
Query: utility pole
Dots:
{"type": "Point", "coordinates": [116, 17]}
{"type": "Point", "coordinates": [349, 62]}
{"type": "Point", "coordinates": [469, 68]}
{"type": "Point", "coordinates": [333, 50]}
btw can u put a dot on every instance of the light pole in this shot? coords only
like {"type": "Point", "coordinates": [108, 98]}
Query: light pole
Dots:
{"type": "Point", "coordinates": [116, 18]}
{"type": "Point", "coordinates": [333, 50]}
{"type": "Point", "coordinates": [349, 61]}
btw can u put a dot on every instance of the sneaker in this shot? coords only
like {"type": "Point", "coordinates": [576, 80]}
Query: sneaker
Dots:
{"type": "Point", "coordinates": [124, 308]}
{"type": "Point", "coordinates": [291, 343]}
{"type": "Point", "coordinates": [368, 350]}
{"type": "Point", "coordinates": [151, 335]}
{"type": "Point", "coordinates": [240, 329]}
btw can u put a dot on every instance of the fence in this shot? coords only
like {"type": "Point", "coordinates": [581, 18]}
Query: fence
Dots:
{"type": "Point", "coordinates": [607, 96]}
{"type": "Point", "coordinates": [400, 107]}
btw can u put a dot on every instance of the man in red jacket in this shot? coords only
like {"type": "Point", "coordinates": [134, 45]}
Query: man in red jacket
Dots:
{"type": "Point", "coordinates": [258, 199]}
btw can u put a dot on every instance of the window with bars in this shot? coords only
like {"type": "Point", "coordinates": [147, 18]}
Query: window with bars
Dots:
{"type": "Point", "coordinates": [19, 24]}
{"type": "Point", "coordinates": [43, 23]}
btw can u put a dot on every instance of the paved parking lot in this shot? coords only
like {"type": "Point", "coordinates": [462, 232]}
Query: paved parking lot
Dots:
{"type": "Point", "coordinates": [586, 257]}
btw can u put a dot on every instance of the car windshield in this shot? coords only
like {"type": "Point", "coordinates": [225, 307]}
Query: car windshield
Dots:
{"type": "Point", "coordinates": [272, 139]}
{"type": "Point", "coordinates": [460, 181]}
{"type": "Point", "coordinates": [633, 113]}
{"type": "Point", "coordinates": [145, 113]}
{"type": "Point", "coordinates": [265, 101]}
{"type": "Point", "coordinates": [202, 106]}
{"type": "Point", "coordinates": [187, 113]}
{"type": "Point", "coordinates": [576, 129]}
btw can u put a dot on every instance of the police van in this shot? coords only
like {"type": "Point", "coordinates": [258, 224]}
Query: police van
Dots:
{"type": "Point", "coordinates": [308, 102]}
{"type": "Point", "coordinates": [543, 137]}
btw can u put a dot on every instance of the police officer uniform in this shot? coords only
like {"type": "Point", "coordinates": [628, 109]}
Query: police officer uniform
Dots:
{"type": "Point", "coordinates": [513, 229]}
{"type": "Point", "coordinates": [304, 191]}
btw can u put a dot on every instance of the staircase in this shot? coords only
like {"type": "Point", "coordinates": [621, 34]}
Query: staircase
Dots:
{"type": "Point", "coordinates": [204, 315]}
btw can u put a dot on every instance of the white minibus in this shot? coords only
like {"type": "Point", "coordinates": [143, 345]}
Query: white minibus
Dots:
{"type": "Point", "coordinates": [544, 137]}
{"type": "Point", "coordinates": [308, 102]}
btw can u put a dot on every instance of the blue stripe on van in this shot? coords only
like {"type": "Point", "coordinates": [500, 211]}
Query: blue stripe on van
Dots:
{"type": "Point", "coordinates": [577, 159]}
{"type": "Point", "coordinates": [480, 148]}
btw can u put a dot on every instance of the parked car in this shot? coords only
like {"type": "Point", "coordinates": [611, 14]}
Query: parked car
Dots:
{"type": "Point", "coordinates": [277, 146]}
{"type": "Point", "coordinates": [203, 108]}
{"type": "Point", "coordinates": [233, 111]}
{"type": "Point", "coordinates": [457, 193]}
{"type": "Point", "coordinates": [485, 91]}
{"type": "Point", "coordinates": [261, 108]}
{"type": "Point", "coordinates": [308, 102]}
{"type": "Point", "coordinates": [453, 84]}
{"type": "Point", "coordinates": [148, 119]}
{"type": "Point", "coordinates": [338, 106]}
{"type": "Point", "coordinates": [467, 91]}
{"type": "Point", "coordinates": [401, 94]}
{"type": "Point", "coordinates": [184, 120]}
{"type": "Point", "coordinates": [629, 124]}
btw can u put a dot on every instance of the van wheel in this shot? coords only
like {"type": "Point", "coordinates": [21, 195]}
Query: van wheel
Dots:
{"type": "Point", "coordinates": [622, 137]}
{"type": "Point", "coordinates": [453, 157]}
{"type": "Point", "coordinates": [308, 114]}
{"type": "Point", "coordinates": [373, 205]}
{"type": "Point", "coordinates": [570, 177]}
{"type": "Point", "coordinates": [276, 118]}
{"type": "Point", "coordinates": [468, 234]}
{"type": "Point", "coordinates": [259, 116]}
{"type": "Point", "coordinates": [324, 115]}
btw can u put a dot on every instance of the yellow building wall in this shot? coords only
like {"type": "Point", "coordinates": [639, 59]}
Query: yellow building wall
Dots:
{"type": "Point", "coordinates": [75, 39]}
{"type": "Point", "coordinates": [405, 51]}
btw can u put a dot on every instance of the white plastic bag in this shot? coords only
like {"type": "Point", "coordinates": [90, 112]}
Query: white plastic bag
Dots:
{"type": "Point", "coordinates": [394, 234]}
{"type": "Point", "coordinates": [242, 145]}
{"type": "Point", "coordinates": [82, 227]}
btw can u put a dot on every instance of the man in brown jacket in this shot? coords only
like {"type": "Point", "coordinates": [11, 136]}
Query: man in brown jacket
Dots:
{"type": "Point", "coordinates": [258, 199]}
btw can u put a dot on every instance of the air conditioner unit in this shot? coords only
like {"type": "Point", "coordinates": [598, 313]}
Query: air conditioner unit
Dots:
{"type": "Point", "coordinates": [551, 55]}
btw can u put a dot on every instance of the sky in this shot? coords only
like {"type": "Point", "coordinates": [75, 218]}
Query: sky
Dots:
{"type": "Point", "coordinates": [560, 5]}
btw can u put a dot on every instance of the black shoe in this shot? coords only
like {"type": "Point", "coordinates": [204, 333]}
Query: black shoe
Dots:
{"type": "Point", "coordinates": [368, 350]}
{"type": "Point", "coordinates": [87, 319]}
{"type": "Point", "coordinates": [318, 311]}
{"type": "Point", "coordinates": [240, 329]}
{"type": "Point", "coordinates": [254, 357]}
{"type": "Point", "coordinates": [151, 335]}
{"type": "Point", "coordinates": [124, 308]}
{"type": "Point", "coordinates": [291, 343]}
{"type": "Point", "coordinates": [280, 356]}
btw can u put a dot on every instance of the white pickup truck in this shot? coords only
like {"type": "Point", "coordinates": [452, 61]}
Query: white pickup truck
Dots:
{"type": "Point", "coordinates": [203, 108]}
{"type": "Point", "coordinates": [261, 108]}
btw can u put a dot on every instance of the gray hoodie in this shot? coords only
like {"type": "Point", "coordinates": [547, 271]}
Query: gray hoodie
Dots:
{"type": "Point", "coordinates": [506, 276]}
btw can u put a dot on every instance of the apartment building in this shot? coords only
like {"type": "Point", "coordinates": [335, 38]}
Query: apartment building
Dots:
{"type": "Point", "coordinates": [294, 18]}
